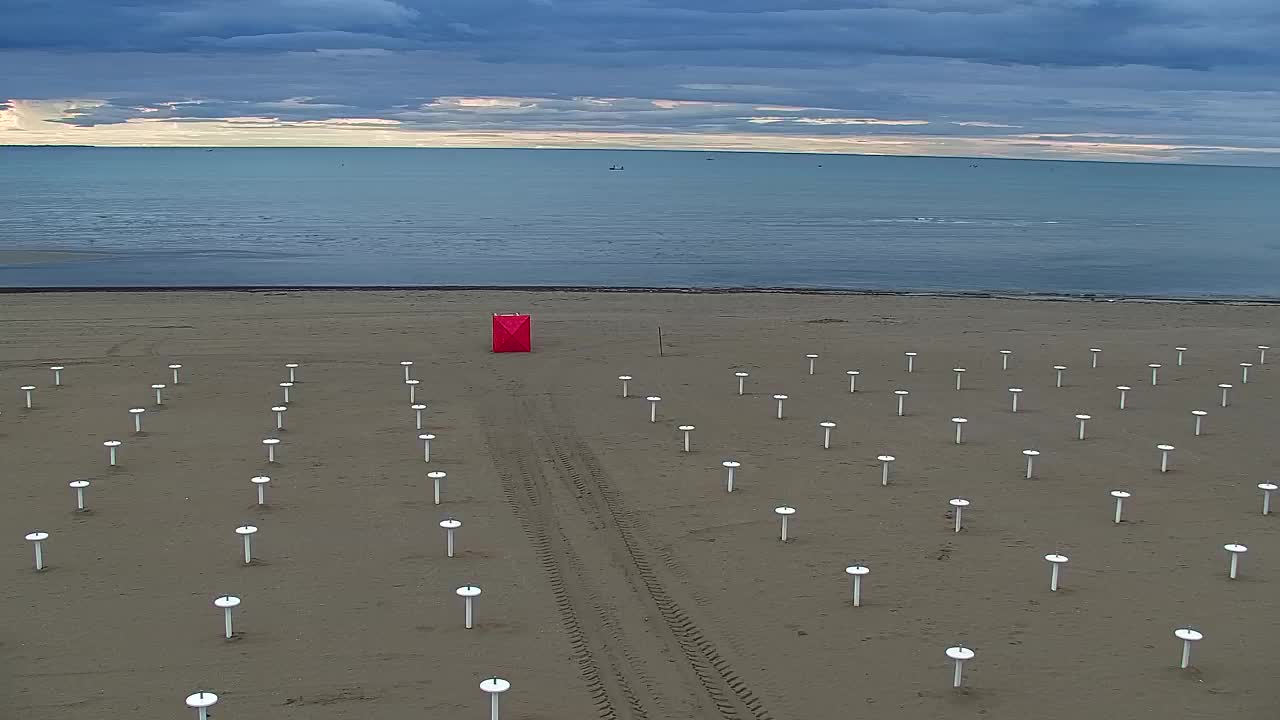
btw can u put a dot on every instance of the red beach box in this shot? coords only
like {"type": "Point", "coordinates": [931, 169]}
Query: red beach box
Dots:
{"type": "Point", "coordinates": [511, 333]}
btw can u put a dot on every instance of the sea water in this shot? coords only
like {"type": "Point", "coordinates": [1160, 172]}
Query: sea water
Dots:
{"type": "Point", "coordinates": [432, 217]}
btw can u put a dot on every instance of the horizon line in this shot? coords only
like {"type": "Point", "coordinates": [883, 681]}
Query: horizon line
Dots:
{"type": "Point", "coordinates": [735, 151]}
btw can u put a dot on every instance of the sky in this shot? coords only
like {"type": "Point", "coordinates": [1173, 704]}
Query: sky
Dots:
{"type": "Point", "coordinates": [1190, 81]}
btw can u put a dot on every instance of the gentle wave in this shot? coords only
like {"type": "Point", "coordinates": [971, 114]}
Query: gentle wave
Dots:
{"type": "Point", "coordinates": [157, 217]}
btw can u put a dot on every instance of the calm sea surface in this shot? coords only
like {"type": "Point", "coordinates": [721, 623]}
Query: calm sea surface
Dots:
{"type": "Point", "coordinates": [164, 217]}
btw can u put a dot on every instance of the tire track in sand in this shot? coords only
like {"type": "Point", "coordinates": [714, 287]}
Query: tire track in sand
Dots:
{"type": "Point", "coordinates": [721, 683]}
{"type": "Point", "coordinates": [612, 664]}
{"type": "Point", "coordinates": [594, 635]}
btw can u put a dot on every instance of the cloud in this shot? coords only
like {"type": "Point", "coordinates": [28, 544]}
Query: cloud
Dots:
{"type": "Point", "coordinates": [1167, 33]}
{"type": "Point", "coordinates": [730, 87]}
{"type": "Point", "coordinates": [323, 41]}
{"type": "Point", "coordinates": [352, 52]}
{"type": "Point", "coordinates": [983, 124]}
{"type": "Point", "coordinates": [620, 123]}
{"type": "Point", "coordinates": [1198, 73]}
{"type": "Point", "coordinates": [223, 18]}
{"type": "Point", "coordinates": [803, 120]}
{"type": "Point", "coordinates": [267, 131]}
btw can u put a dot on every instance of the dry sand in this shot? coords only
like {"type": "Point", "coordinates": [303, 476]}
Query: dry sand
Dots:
{"type": "Point", "coordinates": [620, 580]}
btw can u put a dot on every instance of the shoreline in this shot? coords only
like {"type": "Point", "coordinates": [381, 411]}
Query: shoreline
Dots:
{"type": "Point", "coordinates": [645, 290]}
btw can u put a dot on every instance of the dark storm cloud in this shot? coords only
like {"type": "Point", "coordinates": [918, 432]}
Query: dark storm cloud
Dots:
{"type": "Point", "coordinates": [1170, 33]}
{"type": "Point", "coordinates": [1189, 71]}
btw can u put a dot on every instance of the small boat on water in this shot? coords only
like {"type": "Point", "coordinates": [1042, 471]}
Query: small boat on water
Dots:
{"type": "Point", "coordinates": [617, 167]}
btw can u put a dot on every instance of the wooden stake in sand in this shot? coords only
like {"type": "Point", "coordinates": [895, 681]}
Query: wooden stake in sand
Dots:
{"type": "Point", "coordinates": [271, 444]}
{"type": "Point", "coordinates": [1187, 636]}
{"type": "Point", "coordinates": [202, 701]}
{"type": "Point", "coordinates": [79, 486]}
{"type": "Point", "coordinates": [449, 525]}
{"type": "Point", "coordinates": [784, 512]}
{"type": "Point", "coordinates": [1093, 356]}
{"type": "Point", "coordinates": [853, 379]}
{"type": "Point", "coordinates": [959, 372]}
{"type": "Point", "coordinates": [260, 482]}
{"type": "Point", "coordinates": [653, 407]}
{"type": "Point", "coordinates": [1262, 354]}
{"type": "Point", "coordinates": [742, 381]}
{"type": "Point", "coordinates": [1244, 373]}
{"type": "Point", "coordinates": [407, 365]}
{"type": "Point", "coordinates": [1004, 359]}
{"type": "Point", "coordinates": [686, 429]}
{"type": "Point", "coordinates": [959, 504]}
{"type": "Point", "coordinates": [902, 396]}
{"type": "Point", "coordinates": [1055, 561]}
{"type": "Point", "coordinates": [292, 368]}
{"type": "Point", "coordinates": [959, 654]}
{"type": "Point", "coordinates": [826, 426]}
{"type": "Point", "coordinates": [137, 419]}
{"type": "Point", "coordinates": [959, 421]}
{"type": "Point", "coordinates": [1031, 459]}
{"type": "Point", "coordinates": [1155, 373]}
{"type": "Point", "coordinates": [279, 410]}
{"type": "Point", "coordinates": [37, 539]}
{"type": "Point", "coordinates": [417, 409]}
{"type": "Point", "coordinates": [1164, 456]}
{"type": "Point", "coordinates": [1199, 415]}
{"type": "Point", "coordinates": [27, 389]}
{"type": "Point", "coordinates": [1082, 419]}
{"type": "Point", "coordinates": [731, 465]}
{"type": "Point", "coordinates": [437, 481]}
{"type": "Point", "coordinates": [911, 361]}
{"type": "Point", "coordinates": [1059, 369]}
{"type": "Point", "coordinates": [158, 387]}
{"type": "Point", "coordinates": [780, 399]}
{"type": "Point", "coordinates": [1224, 387]}
{"type": "Point", "coordinates": [57, 375]}
{"type": "Point", "coordinates": [285, 386]}
{"type": "Point", "coordinates": [468, 593]}
{"type": "Point", "coordinates": [856, 572]}
{"type": "Point", "coordinates": [111, 446]}
{"type": "Point", "coordinates": [1180, 351]}
{"type": "Point", "coordinates": [247, 532]}
{"type": "Point", "coordinates": [813, 358]}
{"type": "Point", "coordinates": [413, 390]}
{"type": "Point", "coordinates": [226, 602]}
{"type": "Point", "coordinates": [626, 392]}
{"type": "Point", "coordinates": [174, 368]}
{"type": "Point", "coordinates": [1236, 550]}
{"type": "Point", "coordinates": [1124, 390]}
{"type": "Point", "coordinates": [1120, 496]}
{"type": "Point", "coordinates": [426, 439]}
{"type": "Point", "coordinates": [494, 687]}
{"type": "Point", "coordinates": [1267, 489]}
{"type": "Point", "coordinates": [1014, 392]}
{"type": "Point", "coordinates": [885, 461]}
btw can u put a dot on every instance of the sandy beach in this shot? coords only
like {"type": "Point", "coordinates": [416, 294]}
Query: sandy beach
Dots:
{"type": "Point", "coordinates": [620, 579]}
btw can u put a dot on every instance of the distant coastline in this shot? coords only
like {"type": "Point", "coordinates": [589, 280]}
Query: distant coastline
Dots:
{"type": "Point", "coordinates": [959, 295]}
{"type": "Point", "coordinates": [693, 150]}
